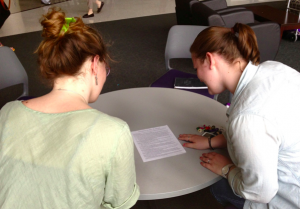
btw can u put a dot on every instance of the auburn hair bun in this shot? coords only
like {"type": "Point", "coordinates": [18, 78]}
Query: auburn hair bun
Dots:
{"type": "Point", "coordinates": [52, 23]}
{"type": "Point", "coordinates": [64, 52]}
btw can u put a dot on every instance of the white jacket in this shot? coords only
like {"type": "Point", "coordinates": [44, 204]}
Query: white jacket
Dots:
{"type": "Point", "coordinates": [263, 137]}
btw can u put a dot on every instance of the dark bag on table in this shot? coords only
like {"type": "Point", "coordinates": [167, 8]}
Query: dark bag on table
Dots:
{"type": "Point", "coordinates": [4, 12]}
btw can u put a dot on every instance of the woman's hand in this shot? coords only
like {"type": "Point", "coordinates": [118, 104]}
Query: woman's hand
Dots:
{"type": "Point", "coordinates": [194, 141]}
{"type": "Point", "coordinates": [201, 142]}
{"type": "Point", "coordinates": [214, 162]}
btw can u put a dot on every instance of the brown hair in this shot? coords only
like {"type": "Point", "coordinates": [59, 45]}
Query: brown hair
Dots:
{"type": "Point", "coordinates": [63, 53]}
{"type": "Point", "coordinates": [231, 43]}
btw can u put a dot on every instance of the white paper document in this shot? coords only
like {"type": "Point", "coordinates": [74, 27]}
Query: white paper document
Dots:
{"type": "Point", "coordinates": [156, 143]}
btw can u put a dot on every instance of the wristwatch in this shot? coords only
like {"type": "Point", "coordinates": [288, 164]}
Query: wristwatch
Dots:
{"type": "Point", "coordinates": [225, 170]}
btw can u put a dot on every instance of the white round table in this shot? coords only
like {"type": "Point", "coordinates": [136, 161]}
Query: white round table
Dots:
{"type": "Point", "coordinates": [182, 111]}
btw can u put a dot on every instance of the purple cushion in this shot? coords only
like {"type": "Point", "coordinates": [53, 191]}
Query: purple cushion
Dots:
{"type": "Point", "coordinates": [168, 79]}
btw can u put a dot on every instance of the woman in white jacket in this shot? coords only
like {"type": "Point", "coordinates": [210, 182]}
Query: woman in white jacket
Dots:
{"type": "Point", "coordinates": [261, 137]}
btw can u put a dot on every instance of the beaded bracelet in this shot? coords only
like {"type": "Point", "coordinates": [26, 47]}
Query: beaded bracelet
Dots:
{"type": "Point", "coordinates": [211, 130]}
{"type": "Point", "coordinates": [209, 142]}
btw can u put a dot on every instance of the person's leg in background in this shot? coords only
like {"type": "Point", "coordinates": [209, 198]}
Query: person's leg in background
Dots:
{"type": "Point", "coordinates": [90, 13]}
{"type": "Point", "coordinates": [224, 194]}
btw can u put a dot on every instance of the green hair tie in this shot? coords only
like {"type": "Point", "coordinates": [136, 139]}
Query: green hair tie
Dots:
{"type": "Point", "coordinates": [67, 25]}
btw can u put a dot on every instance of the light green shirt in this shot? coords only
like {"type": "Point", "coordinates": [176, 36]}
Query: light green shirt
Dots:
{"type": "Point", "coordinates": [79, 159]}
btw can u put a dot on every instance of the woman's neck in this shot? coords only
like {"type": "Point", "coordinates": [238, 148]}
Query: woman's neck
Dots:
{"type": "Point", "coordinates": [236, 71]}
{"type": "Point", "coordinates": [74, 87]}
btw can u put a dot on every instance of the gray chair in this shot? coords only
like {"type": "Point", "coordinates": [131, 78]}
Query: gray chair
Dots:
{"type": "Point", "coordinates": [184, 15]}
{"type": "Point", "coordinates": [268, 39]}
{"type": "Point", "coordinates": [179, 40]}
{"type": "Point", "coordinates": [218, 5]}
{"type": "Point", "coordinates": [204, 15]}
{"type": "Point", "coordinates": [11, 71]}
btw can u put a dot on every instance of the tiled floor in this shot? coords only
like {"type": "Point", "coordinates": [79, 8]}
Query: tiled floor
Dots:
{"type": "Point", "coordinates": [28, 21]}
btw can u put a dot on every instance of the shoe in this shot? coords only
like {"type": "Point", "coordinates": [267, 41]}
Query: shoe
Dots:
{"type": "Point", "coordinates": [99, 9]}
{"type": "Point", "coordinates": [46, 2]}
{"type": "Point", "coordinates": [88, 16]}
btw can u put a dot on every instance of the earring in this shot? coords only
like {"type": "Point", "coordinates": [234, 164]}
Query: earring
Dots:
{"type": "Point", "coordinates": [96, 78]}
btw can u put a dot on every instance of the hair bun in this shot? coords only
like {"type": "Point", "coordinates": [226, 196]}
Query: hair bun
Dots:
{"type": "Point", "coordinates": [52, 22]}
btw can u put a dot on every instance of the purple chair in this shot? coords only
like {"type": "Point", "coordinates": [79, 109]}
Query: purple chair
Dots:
{"type": "Point", "coordinates": [167, 81]}
{"type": "Point", "coordinates": [180, 38]}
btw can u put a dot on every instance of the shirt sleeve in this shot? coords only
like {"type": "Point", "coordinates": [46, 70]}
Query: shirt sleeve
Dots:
{"type": "Point", "coordinates": [121, 190]}
{"type": "Point", "coordinates": [253, 147]}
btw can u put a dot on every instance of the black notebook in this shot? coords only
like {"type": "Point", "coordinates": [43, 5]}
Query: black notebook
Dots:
{"type": "Point", "coordinates": [189, 83]}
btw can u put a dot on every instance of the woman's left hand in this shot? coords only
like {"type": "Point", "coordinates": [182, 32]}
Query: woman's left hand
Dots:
{"type": "Point", "coordinates": [214, 162]}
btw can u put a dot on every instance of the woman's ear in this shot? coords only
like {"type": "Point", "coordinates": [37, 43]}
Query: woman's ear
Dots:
{"type": "Point", "coordinates": [211, 60]}
{"type": "Point", "coordinates": [95, 64]}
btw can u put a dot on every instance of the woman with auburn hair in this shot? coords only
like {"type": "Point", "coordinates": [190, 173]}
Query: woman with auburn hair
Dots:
{"type": "Point", "coordinates": [56, 151]}
{"type": "Point", "coordinates": [263, 169]}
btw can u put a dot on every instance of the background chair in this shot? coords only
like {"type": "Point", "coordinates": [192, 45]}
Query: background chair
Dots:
{"type": "Point", "coordinates": [268, 45]}
{"type": "Point", "coordinates": [184, 15]}
{"type": "Point", "coordinates": [167, 81]}
{"type": "Point", "coordinates": [218, 5]}
{"type": "Point", "coordinates": [179, 40]}
{"type": "Point", "coordinates": [204, 15]}
{"type": "Point", "coordinates": [12, 72]}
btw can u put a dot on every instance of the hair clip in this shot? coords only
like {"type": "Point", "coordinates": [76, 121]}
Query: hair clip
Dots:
{"type": "Point", "coordinates": [234, 33]}
{"type": "Point", "coordinates": [66, 26]}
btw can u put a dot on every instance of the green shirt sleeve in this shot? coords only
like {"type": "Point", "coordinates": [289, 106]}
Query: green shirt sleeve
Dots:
{"type": "Point", "coordinates": [121, 190]}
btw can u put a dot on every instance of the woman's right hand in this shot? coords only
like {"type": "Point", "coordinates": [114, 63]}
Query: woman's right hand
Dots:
{"type": "Point", "coordinates": [194, 141]}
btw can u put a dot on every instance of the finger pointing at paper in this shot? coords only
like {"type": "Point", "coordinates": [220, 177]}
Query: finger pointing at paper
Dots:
{"type": "Point", "coordinates": [194, 141]}
{"type": "Point", "coordinates": [201, 142]}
